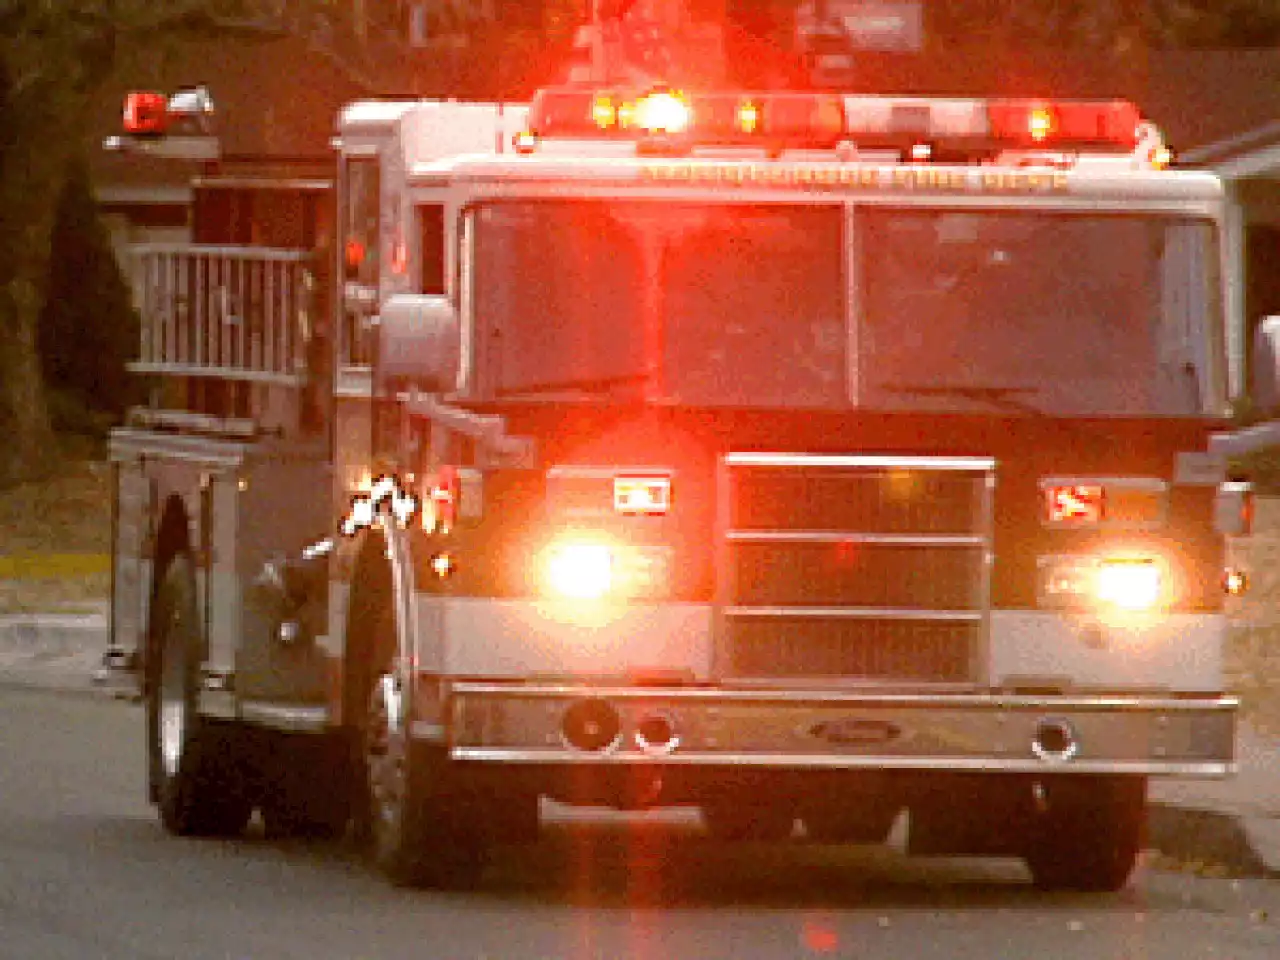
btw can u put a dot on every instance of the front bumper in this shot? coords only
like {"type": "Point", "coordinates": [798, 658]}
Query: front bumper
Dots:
{"type": "Point", "coordinates": [1146, 735]}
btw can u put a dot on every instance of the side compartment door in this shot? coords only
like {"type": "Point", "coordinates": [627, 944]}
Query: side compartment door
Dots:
{"type": "Point", "coordinates": [132, 506]}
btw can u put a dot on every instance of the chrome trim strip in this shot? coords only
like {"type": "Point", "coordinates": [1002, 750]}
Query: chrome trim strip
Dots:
{"type": "Point", "coordinates": [827, 697]}
{"type": "Point", "coordinates": [283, 717]}
{"type": "Point", "coordinates": [836, 536]}
{"type": "Point", "coordinates": [858, 613]}
{"type": "Point", "coordinates": [1206, 769]}
{"type": "Point", "coordinates": [974, 464]}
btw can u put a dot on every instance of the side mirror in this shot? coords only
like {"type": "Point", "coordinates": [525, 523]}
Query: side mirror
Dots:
{"type": "Point", "coordinates": [1264, 371]}
{"type": "Point", "coordinates": [419, 345]}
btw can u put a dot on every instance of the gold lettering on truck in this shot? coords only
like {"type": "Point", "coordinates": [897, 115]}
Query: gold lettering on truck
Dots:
{"type": "Point", "coordinates": [920, 179]}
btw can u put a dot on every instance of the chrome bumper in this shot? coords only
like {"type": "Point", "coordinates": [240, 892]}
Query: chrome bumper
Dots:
{"type": "Point", "coordinates": [526, 724]}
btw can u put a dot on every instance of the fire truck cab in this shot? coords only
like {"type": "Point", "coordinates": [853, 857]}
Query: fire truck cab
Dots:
{"type": "Point", "coordinates": [811, 459]}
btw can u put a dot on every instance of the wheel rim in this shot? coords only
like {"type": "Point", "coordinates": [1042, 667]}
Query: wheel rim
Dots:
{"type": "Point", "coordinates": [384, 751]}
{"type": "Point", "coordinates": [173, 698]}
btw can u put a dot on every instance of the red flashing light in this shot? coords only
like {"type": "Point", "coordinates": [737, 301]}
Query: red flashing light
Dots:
{"type": "Point", "coordinates": [146, 113]}
{"type": "Point", "coordinates": [1074, 504]}
{"type": "Point", "coordinates": [816, 119]}
{"type": "Point", "coordinates": [1066, 121]}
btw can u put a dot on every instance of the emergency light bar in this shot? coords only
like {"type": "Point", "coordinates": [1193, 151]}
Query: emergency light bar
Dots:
{"type": "Point", "coordinates": [823, 120]}
{"type": "Point", "coordinates": [148, 113]}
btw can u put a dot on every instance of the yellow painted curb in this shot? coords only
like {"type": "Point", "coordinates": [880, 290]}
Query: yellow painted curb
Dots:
{"type": "Point", "coordinates": [51, 566]}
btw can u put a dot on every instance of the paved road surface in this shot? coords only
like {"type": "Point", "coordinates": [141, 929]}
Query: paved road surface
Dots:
{"type": "Point", "coordinates": [85, 872]}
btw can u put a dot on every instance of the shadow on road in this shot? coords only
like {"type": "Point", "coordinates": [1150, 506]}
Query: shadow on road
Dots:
{"type": "Point", "coordinates": [630, 865]}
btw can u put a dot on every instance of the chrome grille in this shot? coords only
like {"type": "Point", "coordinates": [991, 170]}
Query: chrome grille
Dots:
{"type": "Point", "coordinates": [854, 567]}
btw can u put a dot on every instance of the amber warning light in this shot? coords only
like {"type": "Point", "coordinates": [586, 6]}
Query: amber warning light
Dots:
{"type": "Point", "coordinates": [642, 495]}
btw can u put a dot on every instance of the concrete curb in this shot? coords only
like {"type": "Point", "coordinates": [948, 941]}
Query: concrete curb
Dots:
{"type": "Point", "coordinates": [1198, 825]}
{"type": "Point", "coordinates": [61, 651]}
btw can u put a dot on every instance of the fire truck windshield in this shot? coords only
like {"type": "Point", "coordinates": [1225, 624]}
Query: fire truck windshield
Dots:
{"type": "Point", "coordinates": [719, 305]}
{"type": "Point", "coordinates": [756, 306]}
{"type": "Point", "coordinates": [1062, 313]}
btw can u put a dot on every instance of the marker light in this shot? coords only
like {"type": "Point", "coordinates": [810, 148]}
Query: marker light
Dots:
{"type": "Point", "coordinates": [1235, 582]}
{"type": "Point", "coordinates": [1040, 124]}
{"type": "Point", "coordinates": [524, 142]}
{"type": "Point", "coordinates": [1131, 584]}
{"type": "Point", "coordinates": [642, 495]}
{"type": "Point", "coordinates": [604, 112]}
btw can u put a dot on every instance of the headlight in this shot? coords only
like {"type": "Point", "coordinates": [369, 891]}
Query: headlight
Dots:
{"type": "Point", "coordinates": [596, 569]}
{"type": "Point", "coordinates": [583, 571]}
{"type": "Point", "coordinates": [1129, 584]}
{"type": "Point", "coordinates": [1122, 583]}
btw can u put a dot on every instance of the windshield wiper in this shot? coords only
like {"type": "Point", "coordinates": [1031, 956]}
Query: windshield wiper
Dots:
{"type": "Point", "coordinates": [997, 396]}
{"type": "Point", "coordinates": [587, 386]}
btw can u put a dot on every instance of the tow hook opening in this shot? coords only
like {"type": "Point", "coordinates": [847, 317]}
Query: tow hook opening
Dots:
{"type": "Point", "coordinates": [1055, 740]}
{"type": "Point", "coordinates": [656, 735]}
{"type": "Point", "coordinates": [591, 725]}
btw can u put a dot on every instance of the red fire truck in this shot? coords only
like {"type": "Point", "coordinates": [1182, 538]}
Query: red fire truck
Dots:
{"type": "Point", "coordinates": [815, 460]}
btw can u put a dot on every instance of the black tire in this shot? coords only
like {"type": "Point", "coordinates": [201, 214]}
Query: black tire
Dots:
{"type": "Point", "coordinates": [1087, 832]}
{"type": "Point", "coordinates": [195, 764]}
{"type": "Point", "coordinates": [421, 830]}
{"type": "Point", "coordinates": [740, 818]}
{"type": "Point", "coordinates": [304, 786]}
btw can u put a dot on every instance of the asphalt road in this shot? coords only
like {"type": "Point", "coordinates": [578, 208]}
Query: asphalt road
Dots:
{"type": "Point", "coordinates": [86, 872]}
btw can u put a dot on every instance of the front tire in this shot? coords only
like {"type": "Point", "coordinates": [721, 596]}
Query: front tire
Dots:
{"type": "Point", "coordinates": [1087, 832]}
{"type": "Point", "coordinates": [418, 824]}
{"type": "Point", "coordinates": [195, 766]}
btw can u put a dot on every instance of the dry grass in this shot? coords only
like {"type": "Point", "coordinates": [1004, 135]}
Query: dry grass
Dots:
{"type": "Point", "coordinates": [55, 538]}
{"type": "Point", "coordinates": [1253, 654]}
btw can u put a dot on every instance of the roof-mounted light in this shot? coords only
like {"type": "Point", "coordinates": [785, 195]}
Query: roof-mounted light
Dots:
{"type": "Point", "coordinates": [661, 112]}
{"type": "Point", "coordinates": [1040, 124]}
{"type": "Point", "coordinates": [806, 119]}
{"type": "Point", "coordinates": [151, 113]}
{"type": "Point", "coordinates": [1084, 122]}
{"type": "Point", "coordinates": [146, 113]}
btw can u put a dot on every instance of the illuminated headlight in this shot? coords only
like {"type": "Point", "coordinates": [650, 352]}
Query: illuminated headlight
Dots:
{"type": "Point", "coordinates": [1129, 584]}
{"type": "Point", "coordinates": [594, 570]}
{"type": "Point", "coordinates": [583, 571]}
{"type": "Point", "coordinates": [1132, 584]}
